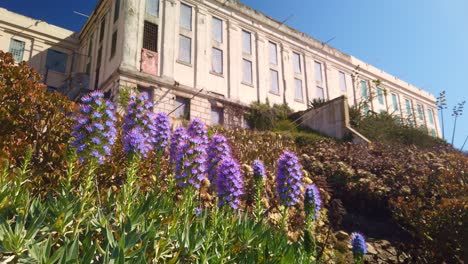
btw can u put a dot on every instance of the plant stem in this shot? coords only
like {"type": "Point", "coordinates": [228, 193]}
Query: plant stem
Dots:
{"type": "Point", "coordinates": [454, 128]}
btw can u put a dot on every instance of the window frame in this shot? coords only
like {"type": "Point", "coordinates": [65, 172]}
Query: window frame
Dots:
{"type": "Point", "coordinates": [213, 28]}
{"type": "Point", "coordinates": [396, 106]}
{"type": "Point", "coordinates": [270, 46]}
{"type": "Point", "coordinates": [221, 62]}
{"type": "Point", "coordinates": [244, 41]}
{"type": "Point", "coordinates": [65, 61]}
{"type": "Point", "coordinates": [277, 92]}
{"type": "Point", "coordinates": [116, 10]}
{"type": "Point", "coordinates": [249, 62]}
{"type": "Point", "coordinates": [342, 80]}
{"type": "Point", "coordinates": [186, 108]}
{"type": "Point", "coordinates": [23, 43]}
{"type": "Point", "coordinates": [296, 98]}
{"type": "Point", "coordinates": [179, 58]}
{"type": "Point", "coordinates": [297, 63]}
{"type": "Point", "coordinates": [190, 19]}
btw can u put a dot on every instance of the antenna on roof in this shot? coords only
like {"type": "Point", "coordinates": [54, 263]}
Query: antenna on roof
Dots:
{"type": "Point", "coordinates": [284, 21]}
{"type": "Point", "coordinates": [81, 14]}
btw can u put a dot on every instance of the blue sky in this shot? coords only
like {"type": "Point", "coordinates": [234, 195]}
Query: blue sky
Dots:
{"type": "Point", "coordinates": [423, 42]}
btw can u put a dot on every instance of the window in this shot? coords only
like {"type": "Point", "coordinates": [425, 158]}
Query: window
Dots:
{"type": "Point", "coordinates": [318, 71]}
{"type": "Point", "coordinates": [217, 30]}
{"type": "Point", "coordinates": [116, 10]}
{"type": "Point", "coordinates": [273, 53]}
{"type": "Point", "coordinates": [217, 61]}
{"type": "Point", "coordinates": [247, 71]}
{"type": "Point", "coordinates": [152, 7]}
{"type": "Point", "coordinates": [186, 16]}
{"type": "Point", "coordinates": [274, 85]}
{"type": "Point", "coordinates": [408, 107]}
{"type": "Point", "coordinates": [297, 62]}
{"type": "Point", "coordinates": [342, 81]}
{"type": "Point", "coordinates": [430, 115]}
{"type": "Point", "coordinates": [364, 90]}
{"type": "Point", "coordinates": [103, 29]}
{"type": "Point", "coordinates": [433, 133]}
{"type": "Point", "coordinates": [185, 49]}
{"type": "Point", "coordinates": [380, 95]}
{"type": "Point", "coordinates": [56, 61]}
{"type": "Point", "coordinates": [150, 36]}
{"type": "Point", "coordinates": [298, 94]}
{"type": "Point", "coordinates": [217, 115]}
{"type": "Point", "coordinates": [88, 68]}
{"type": "Point", "coordinates": [246, 42]}
{"type": "Point", "coordinates": [17, 49]}
{"type": "Point", "coordinates": [113, 44]}
{"type": "Point", "coordinates": [420, 112]}
{"type": "Point", "coordinates": [395, 102]}
{"type": "Point", "coordinates": [320, 93]}
{"type": "Point", "coordinates": [182, 110]}
{"type": "Point", "coordinates": [99, 57]}
{"type": "Point", "coordinates": [366, 108]}
{"type": "Point", "coordinates": [148, 91]}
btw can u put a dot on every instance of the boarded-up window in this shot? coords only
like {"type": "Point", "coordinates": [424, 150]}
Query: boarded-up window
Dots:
{"type": "Point", "coordinates": [217, 30]}
{"type": "Point", "coordinates": [217, 61]}
{"type": "Point", "coordinates": [150, 36]}
{"type": "Point", "coordinates": [185, 49]}
{"type": "Point", "coordinates": [186, 16]}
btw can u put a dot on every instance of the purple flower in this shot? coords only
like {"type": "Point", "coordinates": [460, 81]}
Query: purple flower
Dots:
{"type": "Point", "coordinates": [218, 149]}
{"type": "Point", "coordinates": [138, 126]}
{"type": "Point", "coordinates": [358, 244]}
{"type": "Point", "coordinates": [197, 130]}
{"type": "Point", "coordinates": [289, 179]}
{"type": "Point", "coordinates": [94, 132]}
{"type": "Point", "coordinates": [162, 132]}
{"type": "Point", "coordinates": [312, 201]}
{"type": "Point", "coordinates": [178, 136]}
{"type": "Point", "coordinates": [190, 162]}
{"type": "Point", "coordinates": [229, 183]}
{"type": "Point", "coordinates": [258, 169]}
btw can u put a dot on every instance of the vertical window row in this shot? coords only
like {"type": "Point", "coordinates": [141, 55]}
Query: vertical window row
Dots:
{"type": "Point", "coordinates": [320, 93]}
{"type": "Point", "coordinates": [217, 45]}
{"type": "Point", "coordinates": [185, 34]}
{"type": "Point", "coordinates": [274, 68]}
{"type": "Point", "coordinates": [298, 87]}
{"type": "Point", "coordinates": [247, 73]}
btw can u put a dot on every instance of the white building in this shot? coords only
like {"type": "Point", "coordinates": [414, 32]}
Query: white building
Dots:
{"type": "Point", "coordinates": [212, 58]}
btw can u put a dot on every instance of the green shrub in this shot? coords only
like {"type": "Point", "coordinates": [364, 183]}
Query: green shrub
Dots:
{"type": "Point", "coordinates": [261, 116]}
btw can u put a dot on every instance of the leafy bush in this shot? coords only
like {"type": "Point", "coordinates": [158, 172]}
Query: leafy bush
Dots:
{"type": "Point", "coordinates": [389, 129]}
{"type": "Point", "coordinates": [262, 116]}
{"type": "Point", "coordinates": [31, 118]}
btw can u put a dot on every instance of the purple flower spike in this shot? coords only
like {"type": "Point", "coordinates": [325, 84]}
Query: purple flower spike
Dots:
{"type": "Point", "coordinates": [358, 244]}
{"type": "Point", "coordinates": [94, 132]}
{"type": "Point", "coordinates": [178, 136]}
{"type": "Point", "coordinates": [289, 179]}
{"type": "Point", "coordinates": [138, 126]}
{"type": "Point", "coordinates": [229, 183]}
{"type": "Point", "coordinates": [218, 149]}
{"type": "Point", "coordinates": [258, 169]}
{"type": "Point", "coordinates": [162, 131]}
{"type": "Point", "coordinates": [190, 162]}
{"type": "Point", "coordinates": [197, 130]}
{"type": "Point", "coordinates": [312, 202]}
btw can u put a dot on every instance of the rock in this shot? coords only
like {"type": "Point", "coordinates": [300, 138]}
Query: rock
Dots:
{"type": "Point", "coordinates": [305, 157]}
{"type": "Point", "coordinates": [247, 168]}
{"type": "Point", "coordinates": [370, 249]}
{"type": "Point", "coordinates": [342, 235]}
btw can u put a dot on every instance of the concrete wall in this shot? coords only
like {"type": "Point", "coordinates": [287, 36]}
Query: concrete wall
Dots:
{"type": "Point", "coordinates": [332, 119]}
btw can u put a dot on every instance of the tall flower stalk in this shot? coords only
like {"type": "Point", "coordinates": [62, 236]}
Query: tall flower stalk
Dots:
{"type": "Point", "coordinates": [312, 202]}
{"type": "Point", "coordinates": [359, 247]}
{"type": "Point", "coordinates": [288, 182]}
{"type": "Point", "coordinates": [197, 130]}
{"type": "Point", "coordinates": [177, 138]}
{"type": "Point", "coordinates": [190, 162]}
{"type": "Point", "coordinates": [162, 133]}
{"type": "Point", "coordinates": [229, 183]}
{"type": "Point", "coordinates": [218, 149]}
{"type": "Point", "coordinates": [259, 177]}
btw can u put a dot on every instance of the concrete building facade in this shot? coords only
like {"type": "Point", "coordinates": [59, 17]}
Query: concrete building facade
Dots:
{"type": "Point", "coordinates": [212, 58]}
